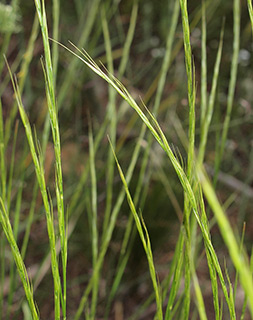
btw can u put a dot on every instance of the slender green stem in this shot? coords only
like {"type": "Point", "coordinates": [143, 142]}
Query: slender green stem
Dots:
{"type": "Point", "coordinates": [209, 111]}
{"type": "Point", "coordinates": [94, 227]}
{"type": "Point", "coordinates": [203, 106]}
{"type": "Point", "coordinates": [86, 30]}
{"type": "Point", "coordinates": [231, 89]}
{"type": "Point", "coordinates": [55, 48]}
{"type": "Point", "coordinates": [145, 241]}
{"type": "Point", "coordinates": [112, 116]}
{"type": "Point", "coordinates": [250, 8]}
{"type": "Point", "coordinates": [15, 233]}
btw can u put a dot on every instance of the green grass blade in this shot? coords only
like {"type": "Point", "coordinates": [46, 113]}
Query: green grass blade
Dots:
{"type": "Point", "coordinates": [239, 262]}
{"type": "Point", "coordinates": [190, 152]}
{"type": "Point", "coordinates": [176, 279]}
{"type": "Point", "coordinates": [15, 233]}
{"type": "Point", "coordinates": [2, 155]}
{"type": "Point", "coordinates": [211, 266]}
{"type": "Point", "coordinates": [94, 226]}
{"type": "Point", "coordinates": [231, 89]}
{"type": "Point", "coordinates": [22, 76]}
{"type": "Point", "coordinates": [12, 163]}
{"type": "Point", "coordinates": [3, 195]}
{"type": "Point", "coordinates": [5, 222]}
{"type": "Point", "coordinates": [167, 57]}
{"type": "Point", "coordinates": [250, 9]}
{"type": "Point", "coordinates": [29, 220]}
{"type": "Point", "coordinates": [161, 83]}
{"type": "Point", "coordinates": [120, 271]}
{"type": "Point", "coordinates": [161, 139]}
{"type": "Point", "coordinates": [145, 241]}
{"type": "Point", "coordinates": [55, 48]}
{"type": "Point", "coordinates": [112, 116]}
{"type": "Point", "coordinates": [199, 297]}
{"type": "Point", "coordinates": [244, 306]}
{"type": "Point", "coordinates": [108, 235]}
{"type": "Point", "coordinates": [241, 250]}
{"type": "Point", "coordinates": [86, 30]}
{"type": "Point", "coordinates": [129, 39]}
{"type": "Point", "coordinates": [209, 112]}
{"type": "Point", "coordinates": [41, 180]}
{"type": "Point", "coordinates": [191, 85]}
{"type": "Point", "coordinates": [203, 106]}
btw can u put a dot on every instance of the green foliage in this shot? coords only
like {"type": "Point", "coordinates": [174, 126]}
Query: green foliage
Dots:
{"type": "Point", "coordinates": [137, 129]}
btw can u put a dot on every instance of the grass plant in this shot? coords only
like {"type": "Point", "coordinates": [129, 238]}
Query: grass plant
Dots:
{"type": "Point", "coordinates": [129, 144]}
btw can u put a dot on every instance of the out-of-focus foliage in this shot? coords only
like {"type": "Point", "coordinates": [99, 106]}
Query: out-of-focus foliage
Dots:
{"type": "Point", "coordinates": [9, 19]}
